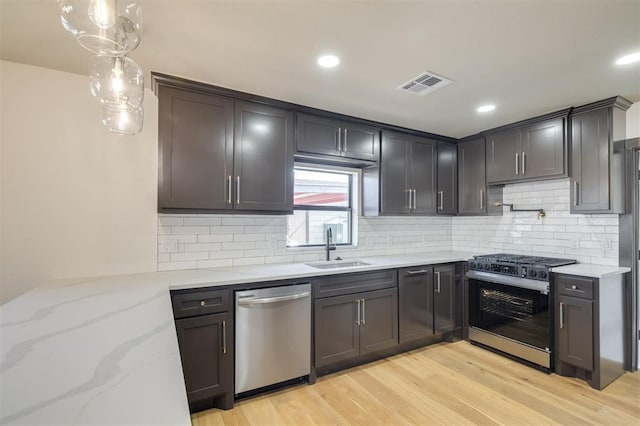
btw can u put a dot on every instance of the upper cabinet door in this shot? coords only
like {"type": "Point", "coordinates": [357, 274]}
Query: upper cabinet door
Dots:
{"type": "Point", "coordinates": [317, 135]}
{"type": "Point", "coordinates": [395, 196]}
{"type": "Point", "coordinates": [325, 136]}
{"type": "Point", "coordinates": [590, 156]}
{"type": "Point", "coordinates": [503, 156]}
{"type": "Point", "coordinates": [195, 150]}
{"type": "Point", "coordinates": [447, 193]}
{"type": "Point", "coordinates": [543, 149]}
{"type": "Point", "coordinates": [422, 170]}
{"type": "Point", "coordinates": [360, 142]}
{"type": "Point", "coordinates": [472, 194]}
{"type": "Point", "coordinates": [263, 158]}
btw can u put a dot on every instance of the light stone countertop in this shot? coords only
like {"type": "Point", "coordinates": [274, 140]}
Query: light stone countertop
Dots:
{"type": "Point", "coordinates": [104, 350]}
{"type": "Point", "coordinates": [590, 270]}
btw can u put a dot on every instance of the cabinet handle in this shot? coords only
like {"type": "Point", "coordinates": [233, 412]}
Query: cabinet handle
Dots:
{"type": "Point", "coordinates": [561, 315]}
{"type": "Point", "coordinates": [517, 164]}
{"type": "Point", "coordinates": [338, 141]}
{"type": "Point", "coordinates": [237, 189]}
{"type": "Point", "coordinates": [437, 282]}
{"type": "Point", "coordinates": [574, 287]}
{"type": "Point", "coordinates": [224, 337]}
{"type": "Point", "coordinates": [482, 199]}
{"type": "Point", "coordinates": [363, 313]}
{"type": "Point", "coordinates": [575, 193]}
{"type": "Point", "coordinates": [417, 272]}
{"type": "Point", "coordinates": [415, 199]}
{"type": "Point", "coordinates": [441, 200]}
{"type": "Point", "coordinates": [524, 163]}
{"type": "Point", "coordinates": [202, 303]}
{"type": "Point", "coordinates": [345, 141]}
{"type": "Point", "coordinates": [229, 188]}
{"type": "Point", "coordinates": [358, 312]}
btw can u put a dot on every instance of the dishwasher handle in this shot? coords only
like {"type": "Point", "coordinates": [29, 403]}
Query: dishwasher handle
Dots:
{"type": "Point", "coordinates": [273, 299]}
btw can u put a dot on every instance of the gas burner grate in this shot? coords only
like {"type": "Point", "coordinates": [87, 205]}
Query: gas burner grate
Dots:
{"type": "Point", "coordinates": [518, 259]}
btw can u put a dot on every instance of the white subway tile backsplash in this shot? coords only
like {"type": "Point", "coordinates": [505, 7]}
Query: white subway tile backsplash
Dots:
{"type": "Point", "coordinates": [208, 241]}
{"type": "Point", "coordinates": [586, 238]}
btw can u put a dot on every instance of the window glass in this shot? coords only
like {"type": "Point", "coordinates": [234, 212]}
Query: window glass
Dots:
{"type": "Point", "coordinates": [315, 188]}
{"type": "Point", "coordinates": [322, 201]}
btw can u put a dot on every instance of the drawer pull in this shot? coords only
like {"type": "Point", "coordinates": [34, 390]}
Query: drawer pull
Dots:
{"type": "Point", "coordinates": [202, 303]}
{"type": "Point", "coordinates": [574, 287]}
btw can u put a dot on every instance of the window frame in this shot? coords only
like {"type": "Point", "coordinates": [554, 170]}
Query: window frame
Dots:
{"type": "Point", "coordinates": [306, 207]}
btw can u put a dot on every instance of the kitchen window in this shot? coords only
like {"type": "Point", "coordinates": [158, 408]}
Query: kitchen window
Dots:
{"type": "Point", "coordinates": [322, 200]}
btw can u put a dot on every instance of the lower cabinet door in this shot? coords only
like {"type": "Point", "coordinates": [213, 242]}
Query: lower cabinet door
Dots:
{"type": "Point", "coordinates": [205, 344]}
{"type": "Point", "coordinates": [575, 332]}
{"type": "Point", "coordinates": [444, 298]}
{"type": "Point", "coordinates": [415, 287]}
{"type": "Point", "coordinates": [378, 320]}
{"type": "Point", "coordinates": [337, 335]}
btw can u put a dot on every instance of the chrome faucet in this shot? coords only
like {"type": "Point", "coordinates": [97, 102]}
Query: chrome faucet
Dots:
{"type": "Point", "coordinates": [330, 244]}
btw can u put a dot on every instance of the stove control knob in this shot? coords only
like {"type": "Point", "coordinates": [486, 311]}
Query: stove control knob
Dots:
{"type": "Point", "coordinates": [487, 267]}
{"type": "Point", "coordinates": [543, 274]}
{"type": "Point", "coordinates": [472, 265]}
{"type": "Point", "coordinates": [532, 273]}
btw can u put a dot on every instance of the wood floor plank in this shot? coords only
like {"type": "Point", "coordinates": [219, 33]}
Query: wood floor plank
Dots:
{"type": "Point", "coordinates": [444, 384]}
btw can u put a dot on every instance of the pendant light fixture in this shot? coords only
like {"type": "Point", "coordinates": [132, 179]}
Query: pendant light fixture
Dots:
{"type": "Point", "coordinates": [123, 119]}
{"type": "Point", "coordinates": [116, 80]}
{"type": "Point", "coordinates": [110, 27]}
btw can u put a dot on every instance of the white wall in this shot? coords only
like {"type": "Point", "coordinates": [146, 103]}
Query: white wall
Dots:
{"type": "Point", "coordinates": [633, 121]}
{"type": "Point", "coordinates": [75, 200]}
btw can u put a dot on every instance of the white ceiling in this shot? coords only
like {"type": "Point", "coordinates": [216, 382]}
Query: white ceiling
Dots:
{"type": "Point", "coordinates": [527, 57]}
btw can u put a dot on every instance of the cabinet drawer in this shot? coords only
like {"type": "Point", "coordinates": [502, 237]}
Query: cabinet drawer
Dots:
{"type": "Point", "coordinates": [192, 303]}
{"type": "Point", "coordinates": [570, 285]}
{"type": "Point", "coordinates": [354, 283]}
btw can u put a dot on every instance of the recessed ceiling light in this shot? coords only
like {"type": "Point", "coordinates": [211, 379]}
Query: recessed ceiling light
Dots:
{"type": "Point", "coordinates": [629, 59]}
{"type": "Point", "coordinates": [486, 108]}
{"type": "Point", "coordinates": [328, 61]}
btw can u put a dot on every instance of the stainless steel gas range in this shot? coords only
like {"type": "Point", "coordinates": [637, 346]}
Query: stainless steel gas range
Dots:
{"type": "Point", "coordinates": [509, 306]}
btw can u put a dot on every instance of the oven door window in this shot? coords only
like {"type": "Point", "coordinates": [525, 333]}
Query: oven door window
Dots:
{"type": "Point", "coordinates": [513, 312]}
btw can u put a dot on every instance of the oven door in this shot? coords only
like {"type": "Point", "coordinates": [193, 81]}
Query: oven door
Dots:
{"type": "Point", "coordinates": [513, 319]}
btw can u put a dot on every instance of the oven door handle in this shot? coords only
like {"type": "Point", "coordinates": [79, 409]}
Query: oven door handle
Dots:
{"type": "Point", "coordinates": [541, 286]}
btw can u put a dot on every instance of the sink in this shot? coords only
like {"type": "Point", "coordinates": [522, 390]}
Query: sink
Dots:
{"type": "Point", "coordinates": [337, 264]}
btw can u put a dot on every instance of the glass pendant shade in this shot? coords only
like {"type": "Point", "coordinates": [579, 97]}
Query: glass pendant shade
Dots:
{"type": "Point", "coordinates": [123, 120]}
{"type": "Point", "coordinates": [110, 27]}
{"type": "Point", "coordinates": [116, 81]}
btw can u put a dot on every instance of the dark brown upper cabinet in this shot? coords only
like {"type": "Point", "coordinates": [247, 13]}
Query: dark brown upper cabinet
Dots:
{"type": "Point", "coordinates": [534, 149]}
{"type": "Point", "coordinates": [220, 154]}
{"type": "Point", "coordinates": [407, 175]}
{"type": "Point", "coordinates": [472, 189]}
{"type": "Point", "coordinates": [321, 136]}
{"type": "Point", "coordinates": [597, 175]}
{"type": "Point", "coordinates": [447, 194]}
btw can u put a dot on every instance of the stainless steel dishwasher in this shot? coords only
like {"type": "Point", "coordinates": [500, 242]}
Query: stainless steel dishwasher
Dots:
{"type": "Point", "coordinates": [273, 336]}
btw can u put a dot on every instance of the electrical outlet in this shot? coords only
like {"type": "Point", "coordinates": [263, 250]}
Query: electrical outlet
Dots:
{"type": "Point", "coordinates": [169, 246]}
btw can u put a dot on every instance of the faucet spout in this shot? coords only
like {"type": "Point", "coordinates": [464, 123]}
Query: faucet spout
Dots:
{"type": "Point", "coordinates": [330, 244]}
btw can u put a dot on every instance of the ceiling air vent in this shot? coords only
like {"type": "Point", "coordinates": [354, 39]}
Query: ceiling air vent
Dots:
{"type": "Point", "coordinates": [425, 83]}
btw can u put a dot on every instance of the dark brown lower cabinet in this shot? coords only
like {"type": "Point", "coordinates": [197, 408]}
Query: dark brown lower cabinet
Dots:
{"type": "Point", "coordinates": [379, 320]}
{"type": "Point", "coordinates": [575, 336]}
{"type": "Point", "coordinates": [204, 327]}
{"type": "Point", "coordinates": [589, 328]}
{"type": "Point", "coordinates": [349, 326]}
{"type": "Point", "coordinates": [444, 311]}
{"type": "Point", "coordinates": [415, 286]}
{"type": "Point", "coordinates": [337, 333]}
{"type": "Point", "coordinates": [427, 301]}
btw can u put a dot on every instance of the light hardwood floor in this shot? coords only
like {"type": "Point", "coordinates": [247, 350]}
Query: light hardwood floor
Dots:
{"type": "Point", "coordinates": [444, 384]}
